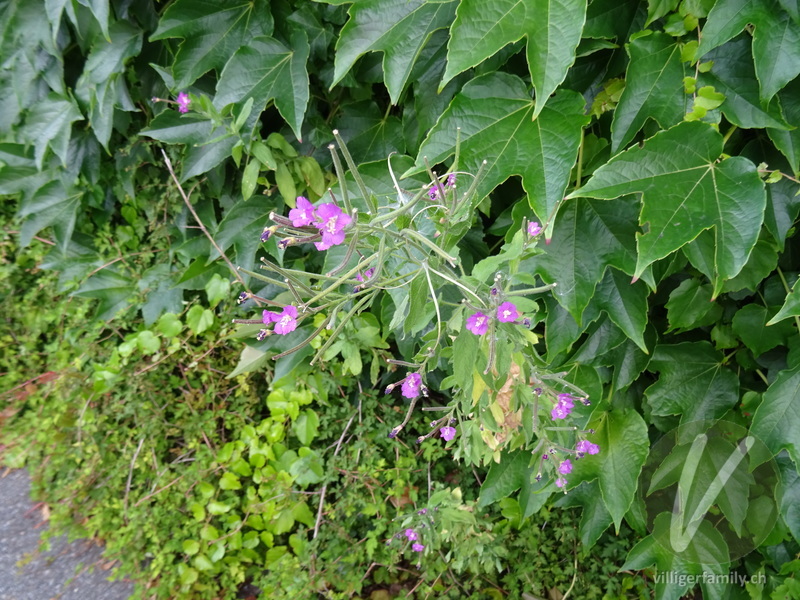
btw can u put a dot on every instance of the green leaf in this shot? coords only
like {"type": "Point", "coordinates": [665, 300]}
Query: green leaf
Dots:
{"type": "Point", "coordinates": [241, 229]}
{"type": "Point", "coordinates": [250, 177]}
{"type": "Point", "coordinates": [790, 500]}
{"type": "Point", "coordinates": [217, 289]}
{"type": "Point", "coordinates": [595, 518]}
{"type": "Point", "coordinates": [199, 319]}
{"type": "Point", "coordinates": [212, 31]}
{"type": "Point", "coordinates": [658, 8]}
{"type": "Point", "coordinates": [625, 303]}
{"type": "Point", "coordinates": [305, 426]}
{"type": "Point", "coordinates": [613, 19]}
{"type": "Point", "coordinates": [733, 75]}
{"type": "Point", "coordinates": [191, 547]}
{"type": "Point", "coordinates": [112, 289]}
{"type": "Point", "coordinates": [49, 124]}
{"type": "Point", "coordinates": [229, 481]}
{"type": "Point", "coordinates": [250, 360]}
{"type": "Point", "coordinates": [692, 383]}
{"type": "Point", "coordinates": [495, 115]}
{"type": "Point", "coordinates": [776, 421]}
{"type": "Point", "coordinates": [552, 28]}
{"type": "Point", "coordinates": [790, 308]}
{"type": "Point", "coordinates": [506, 477]}
{"type": "Point", "coordinates": [267, 70]}
{"type": "Point", "coordinates": [370, 134]}
{"type": "Point", "coordinates": [51, 205]}
{"type": "Point", "coordinates": [753, 326]}
{"type": "Point", "coordinates": [776, 39]}
{"type": "Point", "coordinates": [174, 128]}
{"type": "Point", "coordinates": [169, 325]}
{"type": "Point", "coordinates": [624, 446]}
{"type": "Point", "coordinates": [653, 88]}
{"type": "Point", "coordinates": [690, 306]}
{"type": "Point", "coordinates": [398, 29]}
{"type": "Point", "coordinates": [148, 342]}
{"type": "Point", "coordinates": [685, 191]}
{"type": "Point", "coordinates": [788, 142]}
{"type": "Point", "coordinates": [588, 237]}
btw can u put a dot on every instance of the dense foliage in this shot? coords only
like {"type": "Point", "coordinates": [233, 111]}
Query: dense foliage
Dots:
{"type": "Point", "coordinates": [642, 343]}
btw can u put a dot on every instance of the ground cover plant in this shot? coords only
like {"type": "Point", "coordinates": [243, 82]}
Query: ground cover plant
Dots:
{"type": "Point", "coordinates": [498, 265]}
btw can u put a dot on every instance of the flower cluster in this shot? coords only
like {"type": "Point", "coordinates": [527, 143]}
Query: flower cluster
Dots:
{"type": "Point", "coordinates": [285, 322]}
{"type": "Point", "coordinates": [183, 102]}
{"type": "Point", "coordinates": [478, 323]}
{"type": "Point", "coordinates": [433, 194]}
{"type": "Point", "coordinates": [586, 447]}
{"type": "Point", "coordinates": [563, 407]}
{"type": "Point", "coordinates": [412, 536]}
{"type": "Point", "coordinates": [328, 219]}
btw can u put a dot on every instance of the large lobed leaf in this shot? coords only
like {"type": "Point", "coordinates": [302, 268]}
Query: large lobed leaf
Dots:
{"type": "Point", "coordinates": [212, 31]}
{"type": "Point", "coordinates": [684, 192]}
{"type": "Point", "coordinates": [693, 382]}
{"type": "Point", "coordinates": [589, 236]}
{"type": "Point", "coordinates": [552, 27]}
{"type": "Point", "coordinates": [653, 88]}
{"type": "Point", "coordinates": [776, 421]}
{"type": "Point", "coordinates": [624, 446]}
{"type": "Point", "coordinates": [776, 39]}
{"type": "Point", "coordinates": [398, 29]}
{"type": "Point", "coordinates": [495, 116]}
{"type": "Point", "coordinates": [267, 70]}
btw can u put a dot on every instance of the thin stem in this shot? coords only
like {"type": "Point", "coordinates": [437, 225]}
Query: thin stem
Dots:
{"type": "Point", "coordinates": [460, 285]}
{"type": "Point", "coordinates": [435, 304]}
{"type": "Point", "coordinates": [579, 168]}
{"type": "Point", "coordinates": [536, 290]}
{"type": "Point", "coordinates": [341, 280]}
{"type": "Point", "coordinates": [350, 249]}
{"type": "Point", "coordinates": [265, 279]}
{"type": "Point", "coordinates": [340, 175]}
{"type": "Point", "coordinates": [280, 271]}
{"type": "Point", "coordinates": [200, 223]}
{"type": "Point", "coordinates": [356, 175]}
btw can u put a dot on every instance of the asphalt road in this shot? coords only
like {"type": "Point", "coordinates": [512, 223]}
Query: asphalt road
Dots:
{"type": "Point", "coordinates": [68, 571]}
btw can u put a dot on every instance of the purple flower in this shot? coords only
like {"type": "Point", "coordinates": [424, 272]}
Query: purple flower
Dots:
{"type": "Point", "coordinates": [331, 222]}
{"type": "Point", "coordinates": [411, 534]}
{"type": "Point", "coordinates": [183, 102]}
{"type": "Point", "coordinates": [561, 482]}
{"type": "Point", "coordinates": [448, 433]}
{"type": "Point", "coordinates": [269, 317]}
{"type": "Point", "coordinates": [565, 468]}
{"type": "Point", "coordinates": [411, 385]}
{"type": "Point", "coordinates": [567, 400]}
{"type": "Point", "coordinates": [563, 407]}
{"type": "Point", "coordinates": [286, 322]}
{"type": "Point", "coordinates": [303, 214]}
{"type": "Point", "coordinates": [265, 234]}
{"type": "Point", "coordinates": [417, 547]}
{"type": "Point", "coordinates": [367, 275]}
{"type": "Point", "coordinates": [534, 229]}
{"type": "Point", "coordinates": [478, 323]}
{"type": "Point", "coordinates": [585, 446]}
{"type": "Point", "coordinates": [507, 312]}
{"type": "Point", "coordinates": [451, 180]}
